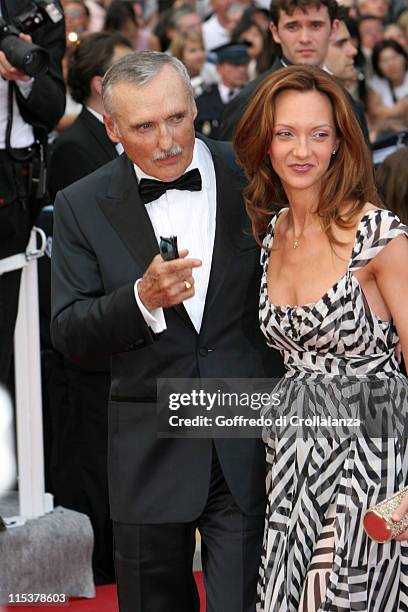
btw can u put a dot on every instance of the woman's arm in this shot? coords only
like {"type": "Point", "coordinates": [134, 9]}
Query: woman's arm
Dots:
{"type": "Point", "coordinates": [390, 269]}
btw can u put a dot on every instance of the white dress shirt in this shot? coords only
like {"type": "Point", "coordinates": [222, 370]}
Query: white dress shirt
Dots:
{"type": "Point", "coordinates": [226, 94]}
{"type": "Point", "coordinates": [189, 215]}
{"type": "Point", "coordinates": [214, 34]}
{"type": "Point", "coordinates": [383, 88]}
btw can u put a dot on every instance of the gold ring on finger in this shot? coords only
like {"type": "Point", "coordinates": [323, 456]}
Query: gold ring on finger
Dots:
{"type": "Point", "coordinates": [187, 285]}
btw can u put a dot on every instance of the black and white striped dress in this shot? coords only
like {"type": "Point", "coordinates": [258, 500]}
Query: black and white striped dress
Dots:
{"type": "Point", "coordinates": [340, 359]}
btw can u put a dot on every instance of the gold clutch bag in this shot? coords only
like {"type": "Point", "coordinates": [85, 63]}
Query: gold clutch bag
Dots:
{"type": "Point", "coordinates": [378, 522]}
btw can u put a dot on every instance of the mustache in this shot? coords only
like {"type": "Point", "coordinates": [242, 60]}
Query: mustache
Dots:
{"type": "Point", "coordinates": [176, 150]}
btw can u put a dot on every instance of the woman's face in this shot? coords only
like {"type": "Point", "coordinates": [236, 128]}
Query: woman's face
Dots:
{"type": "Point", "coordinates": [303, 140]}
{"type": "Point", "coordinates": [254, 37]}
{"type": "Point", "coordinates": [193, 57]}
{"type": "Point", "coordinates": [392, 65]}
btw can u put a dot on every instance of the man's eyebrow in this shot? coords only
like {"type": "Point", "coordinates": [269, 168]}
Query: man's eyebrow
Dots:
{"type": "Point", "coordinates": [341, 41]}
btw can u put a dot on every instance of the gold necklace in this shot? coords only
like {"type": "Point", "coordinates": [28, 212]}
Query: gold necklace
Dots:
{"type": "Point", "coordinates": [296, 243]}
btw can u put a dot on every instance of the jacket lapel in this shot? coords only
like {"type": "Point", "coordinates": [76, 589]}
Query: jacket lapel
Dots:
{"type": "Point", "coordinates": [228, 224]}
{"type": "Point", "coordinates": [127, 214]}
{"type": "Point", "coordinates": [98, 131]}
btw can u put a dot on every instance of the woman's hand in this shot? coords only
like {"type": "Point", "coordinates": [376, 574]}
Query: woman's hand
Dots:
{"type": "Point", "coordinates": [399, 514]}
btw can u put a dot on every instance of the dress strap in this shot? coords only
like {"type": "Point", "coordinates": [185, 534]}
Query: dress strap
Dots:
{"type": "Point", "coordinates": [268, 240]}
{"type": "Point", "coordinates": [376, 229]}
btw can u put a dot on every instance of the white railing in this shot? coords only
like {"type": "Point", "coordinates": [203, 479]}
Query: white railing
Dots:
{"type": "Point", "coordinates": [27, 365]}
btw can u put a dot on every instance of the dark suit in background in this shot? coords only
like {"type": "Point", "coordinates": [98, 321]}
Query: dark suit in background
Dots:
{"type": "Point", "coordinates": [209, 112]}
{"type": "Point", "coordinates": [79, 150]}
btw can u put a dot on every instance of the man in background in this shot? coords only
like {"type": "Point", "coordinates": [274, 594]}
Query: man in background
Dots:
{"type": "Point", "coordinates": [85, 146]}
{"type": "Point", "coordinates": [371, 31]}
{"type": "Point", "coordinates": [303, 30]}
{"type": "Point", "coordinates": [341, 53]}
{"type": "Point", "coordinates": [232, 68]}
{"type": "Point", "coordinates": [216, 30]}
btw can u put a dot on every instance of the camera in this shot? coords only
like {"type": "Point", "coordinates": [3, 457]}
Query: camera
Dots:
{"type": "Point", "coordinates": [27, 57]}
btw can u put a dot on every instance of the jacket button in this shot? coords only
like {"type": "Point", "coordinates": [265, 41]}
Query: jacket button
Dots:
{"type": "Point", "coordinates": [203, 351]}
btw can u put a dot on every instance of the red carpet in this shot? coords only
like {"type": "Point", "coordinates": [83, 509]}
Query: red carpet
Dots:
{"type": "Point", "coordinates": [105, 601]}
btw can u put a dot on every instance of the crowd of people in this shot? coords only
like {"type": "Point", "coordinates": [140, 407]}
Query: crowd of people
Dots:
{"type": "Point", "coordinates": [370, 56]}
{"type": "Point", "coordinates": [205, 119]}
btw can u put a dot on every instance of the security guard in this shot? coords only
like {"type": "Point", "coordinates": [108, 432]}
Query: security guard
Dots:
{"type": "Point", "coordinates": [232, 66]}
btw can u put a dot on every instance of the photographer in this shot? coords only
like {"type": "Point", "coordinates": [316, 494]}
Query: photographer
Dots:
{"type": "Point", "coordinates": [30, 106]}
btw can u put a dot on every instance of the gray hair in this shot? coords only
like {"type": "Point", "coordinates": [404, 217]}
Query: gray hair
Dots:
{"type": "Point", "coordinates": [139, 68]}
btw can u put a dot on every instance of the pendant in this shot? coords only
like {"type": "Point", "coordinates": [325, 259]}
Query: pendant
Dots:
{"type": "Point", "coordinates": [296, 244]}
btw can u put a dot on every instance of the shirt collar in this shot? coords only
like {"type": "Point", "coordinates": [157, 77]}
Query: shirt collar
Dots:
{"type": "Point", "coordinates": [95, 113]}
{"type": "Point", "coordinates": [225, 92]}
{"type": "Point", "coordinates": [285, 63]}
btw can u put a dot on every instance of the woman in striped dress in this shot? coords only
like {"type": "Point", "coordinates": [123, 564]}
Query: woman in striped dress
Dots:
{"type": "Point", "coordinates": [333, 300]}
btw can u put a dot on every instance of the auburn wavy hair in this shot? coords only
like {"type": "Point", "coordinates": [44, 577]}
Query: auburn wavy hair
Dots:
{"type": "Point", "coordinates": [348, 183]}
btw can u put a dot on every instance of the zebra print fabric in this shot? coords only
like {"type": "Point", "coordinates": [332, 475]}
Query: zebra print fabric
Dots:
{"type": "Point", "coordinates": [340, 357]}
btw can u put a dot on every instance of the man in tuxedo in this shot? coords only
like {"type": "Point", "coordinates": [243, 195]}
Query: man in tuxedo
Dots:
{"type": "Point", "coordinates": [85, 146]}
{"type": "Point", "coordinates": [193, 317]}
{"type": "Point", "coordinates": [303, 30]}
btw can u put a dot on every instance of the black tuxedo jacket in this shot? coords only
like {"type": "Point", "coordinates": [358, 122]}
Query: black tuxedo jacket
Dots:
{"type": "Point", "coordinates": [234, 109]}
{"type": "Point", "coordinates": [81, 149]}
{"type": "Point", "coordinates": [103, 242]}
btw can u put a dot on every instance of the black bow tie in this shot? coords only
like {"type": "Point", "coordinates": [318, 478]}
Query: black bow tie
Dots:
{"type": "Point", "coordinates": [152, 190]}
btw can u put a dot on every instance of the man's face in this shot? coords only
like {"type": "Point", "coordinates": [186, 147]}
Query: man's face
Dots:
{"type": "Point", "coordinates": [305, 35]}
{"type": "Point", "coordinates": [188, 23]}
{"type": "Point", "coordinates": [154, 123]}
{"type": "Point", "coordinates": [371, 32]}
{"type": "Point", "coordinates": [233, 75]}
{"type": "Point", "coordinates": [340, 55]}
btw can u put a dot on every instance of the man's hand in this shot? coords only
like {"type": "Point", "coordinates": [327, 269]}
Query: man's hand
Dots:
{"type": "Point", "coordinates": [9, 72]}
{"type": "Point", "coordinates": [167, 283]}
